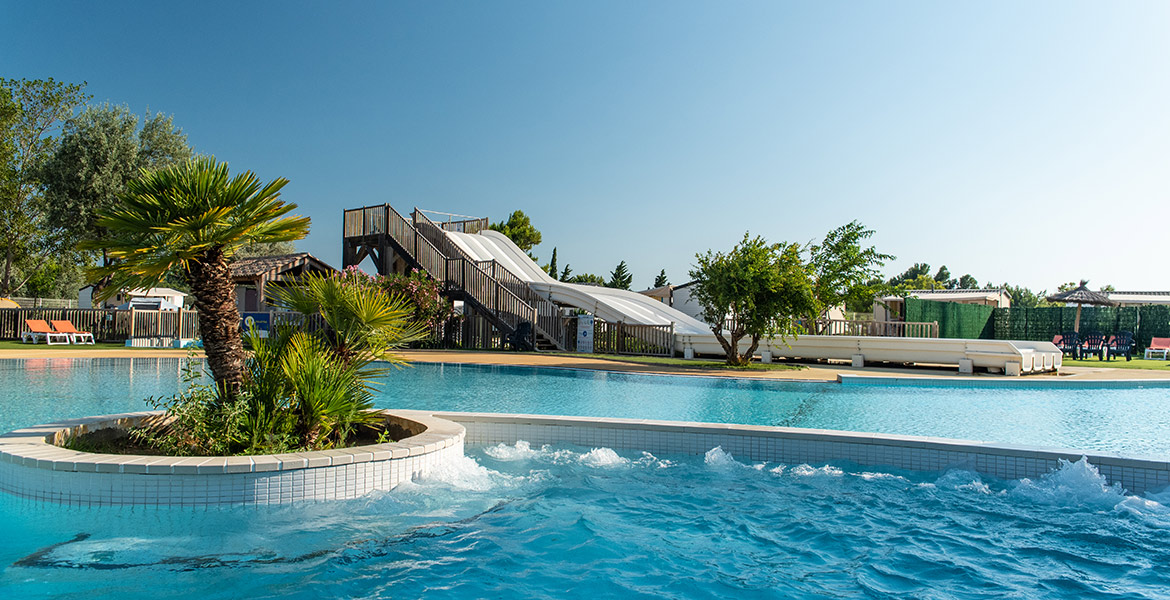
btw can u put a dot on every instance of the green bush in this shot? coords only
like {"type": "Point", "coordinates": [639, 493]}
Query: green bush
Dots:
{"type": "Point", "coordinates": [302, 390]}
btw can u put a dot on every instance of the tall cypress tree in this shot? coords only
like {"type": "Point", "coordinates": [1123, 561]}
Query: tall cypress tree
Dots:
{"type": "Point", "coordinates": [620, 277]}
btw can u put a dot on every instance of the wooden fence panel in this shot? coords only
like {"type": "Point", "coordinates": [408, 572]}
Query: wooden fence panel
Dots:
{"type": "Point", "coordinates": [107, 325]}
{"type": "Point", "coordinates": [625, 338]}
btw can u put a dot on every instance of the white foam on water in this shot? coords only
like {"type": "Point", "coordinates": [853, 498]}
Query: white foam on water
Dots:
{"type": "Point", "coordinates": [603, 457]}
{"type": "Point", "coordinates": [595, 457]}
{"type": "Point", "coordinates": [522, 450]}
{"type": "Point", "coordinates": [968, 481]}
{"type": "Point", "coordinates": [878, 476]}
{"type": "Point", "coordinates": [464, 473]}
{"type": "Point", "coordinates": [1071, 484]}
{"type": "Point", "coordinates": [718, 458]}
{"type": "Point", "coordinates": [649, 460]}
{"type": "Point", "coordinates": [806, 470]}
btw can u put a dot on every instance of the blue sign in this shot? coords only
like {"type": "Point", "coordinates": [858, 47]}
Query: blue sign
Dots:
{"type": "Point", "coordinates": [262, 321]}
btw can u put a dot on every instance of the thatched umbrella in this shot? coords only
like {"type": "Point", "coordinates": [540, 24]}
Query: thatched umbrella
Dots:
{"type": "Point", "coordinates": [1081, 296]}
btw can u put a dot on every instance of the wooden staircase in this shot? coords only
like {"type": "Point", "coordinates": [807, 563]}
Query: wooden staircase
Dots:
{"type": "Point", "coordinates": [489, 288]}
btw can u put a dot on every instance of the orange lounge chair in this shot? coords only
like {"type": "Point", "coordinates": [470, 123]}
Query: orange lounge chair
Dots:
{"type": "Point", "coordinates": [1158, 346]}
{"type": "Point", "coordinates": [75, 336]}
{"type": "Point", "coordinates": [38, 328]}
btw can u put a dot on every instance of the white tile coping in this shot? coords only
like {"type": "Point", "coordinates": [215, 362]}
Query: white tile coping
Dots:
{"type": "Point", "coordinates": [37, 447]}
{"type": "Point", "coordinates": [32, 466]}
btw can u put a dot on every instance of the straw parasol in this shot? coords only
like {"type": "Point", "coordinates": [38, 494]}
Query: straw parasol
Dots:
{"type": "Point", "coordinates": [1080, 296]}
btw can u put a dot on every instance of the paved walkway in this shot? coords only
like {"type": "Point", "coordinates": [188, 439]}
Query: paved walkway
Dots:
{"type": "Point", "coordinates": [811, 372]}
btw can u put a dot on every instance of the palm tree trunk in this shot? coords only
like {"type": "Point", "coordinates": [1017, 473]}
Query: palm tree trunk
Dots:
{"type": "Point", "coordinates": [219, 320]}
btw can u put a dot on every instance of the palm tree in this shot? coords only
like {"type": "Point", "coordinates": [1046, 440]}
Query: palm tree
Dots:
{"type": "Point", "coordinates": [192, 218]}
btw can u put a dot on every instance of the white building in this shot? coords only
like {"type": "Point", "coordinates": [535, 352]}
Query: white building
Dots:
{"type": "Point", "coordinates": [1139, 298]}
{"type": "Point", "coordinates": [175, 297]}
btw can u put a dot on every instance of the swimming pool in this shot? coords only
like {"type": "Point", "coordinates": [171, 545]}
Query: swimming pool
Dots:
{"type": "Point", "coordinates": [523, 522]}
{"type": "Point", "coordinates": [1132, 421]}
{"type": "Point", "coordinates": [520, 522]}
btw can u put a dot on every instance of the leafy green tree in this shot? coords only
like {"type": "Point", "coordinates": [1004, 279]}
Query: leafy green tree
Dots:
{"type": "Point", "coordinates": [552, 264]}
{"type": "Point", "coordinates": [30, 112]}
{"type": "Point", "coordinates": [944, 278]}
{"type": "Point", "coordinates": [842, 271]}
{"type": "Point", "coordinates": [192, 218]}
{"type": "Point", "coordinates": [967, 282]}
{"type": "Point", "coordinates": [923, 282]}
{"type": "Point", "coordinates": [620, 277]}
{"type": "Point", "coordinates": [101, 149]}
{"type": "Point", "coordinates": [587, 279]}
{"type": "Point", "coordinates": [519, 229]}
{"type": "Point", "coordinates": [660, 280]}
{"type": "Point", "coordinates": [756, 290]}
{"type": "Point", "coordinates": [1023, 297]}
{"type": "Point", "coordinates": [915, 273]}
{"type": "Point", "coordinates": [267, 249]}
{"type": "Point", "coordinates": [565, 273]}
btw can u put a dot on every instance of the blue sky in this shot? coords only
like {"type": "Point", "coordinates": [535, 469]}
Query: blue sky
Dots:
{"type": "Point", "coordinates": [1018, 142]}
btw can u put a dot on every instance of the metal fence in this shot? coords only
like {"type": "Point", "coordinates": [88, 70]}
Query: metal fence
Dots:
{"type": "Point", "coordinates": [45, 302]}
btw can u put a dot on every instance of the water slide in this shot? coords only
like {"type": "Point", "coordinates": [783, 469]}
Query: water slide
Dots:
{"type": "Point", "coordinates": [606, 303]}
{"type": "Point", "coordinates": [694, 336]}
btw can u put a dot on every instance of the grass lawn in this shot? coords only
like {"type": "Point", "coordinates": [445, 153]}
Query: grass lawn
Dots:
{"type": "Point", "coordinates": [18, 345]}
{"type": "Point", "coordinates": [1120, 363]}
{"type": "Point", "coordinates": [698, 363]}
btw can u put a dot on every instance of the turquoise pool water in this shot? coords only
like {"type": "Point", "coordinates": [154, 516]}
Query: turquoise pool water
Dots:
{"type": "Point", "coordinates": [563, 522]}
{"type": "Point", "coordinates": [521, 522]}
{"type": "Point", "coordinates": [1131, 421]}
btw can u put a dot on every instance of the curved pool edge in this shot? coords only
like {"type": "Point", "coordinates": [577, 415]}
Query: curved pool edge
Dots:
{"type": "Point", "coordinates": [32, 466]}
{"type": "Point", "coordinates": [791, 445]}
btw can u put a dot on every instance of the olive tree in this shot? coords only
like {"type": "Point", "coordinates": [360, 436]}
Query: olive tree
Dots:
{"type": "Point", "coordinates": [755, 291]}
{"type": "Point", "coordinates": [31, 111]}
{"type": "Point", "coordinates": [100, 151]}
{"type": "Point", "coordinates": [843, 271]}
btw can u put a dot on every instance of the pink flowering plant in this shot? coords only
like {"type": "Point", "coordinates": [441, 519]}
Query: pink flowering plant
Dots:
{"type": "Point", "coordinates": [431, 309]}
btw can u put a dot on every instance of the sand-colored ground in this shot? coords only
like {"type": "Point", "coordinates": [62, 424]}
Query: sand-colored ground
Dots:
{"type": "Point", "coordinates": [811, 372]}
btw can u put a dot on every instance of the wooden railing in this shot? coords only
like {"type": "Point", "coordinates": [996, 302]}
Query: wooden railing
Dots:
{"type": "Point", "coordinates": [107, 325]}
{"type": "Point", "coordinates": [163, 324]}
{"type": "Point", "coordinates": [872, 328]}
{"type": "Point", "coordinates": [464, 226]}
{"type": "Point", "coordinates": [426, 255]}
{"type": "Point", "coordinates": [368, 220]}
{"type": "Point", "coordinates": [493, 286]}
{"type": "Point", "coordinates": [623, 338]}
{"type": "Point", "coordinates": [549, 320]}
{"type": "Point", "coordinates": [862, 328]}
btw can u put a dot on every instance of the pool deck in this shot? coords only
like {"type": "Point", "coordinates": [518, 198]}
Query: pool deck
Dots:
{"type": "Point", "coordinates": [810, 372]}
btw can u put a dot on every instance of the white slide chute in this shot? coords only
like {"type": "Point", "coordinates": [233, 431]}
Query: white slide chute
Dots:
{"type": "Point", "coordinates": [606, 303]}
